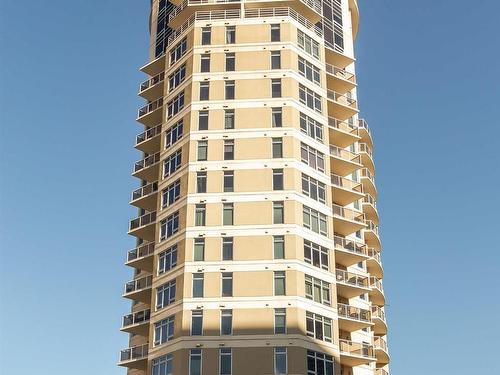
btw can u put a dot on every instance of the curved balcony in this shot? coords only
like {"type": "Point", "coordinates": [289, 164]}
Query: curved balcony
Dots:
{"type": "Point", "coordinates": [146, 196]}
{"type": "Point", "coordinates": [347, 221]}
{"type": "Point", "coordinates": [339, 79]}
{"type": "Point", "coordinates": [149, 140]}
{"type": "Point", "coordinates": [342, 133]}
{"type": "Point", "coordinates": [381, 371]}
{"type": "Point", "coordinates": [141, 257]}
{"type": "Point", "coordinates": [368, 182]}
{"type": "Point", "coordinates": [351, 285]}
{"type": "Point", "coordinates": [376, 291]}
{"type": "Point", "coordinates": [372, 237]}
{"type": "Point", "coordinates": [136, 322]}
{"type": "Point", "coordinates": [143, 226]}
{"type": "Point", "coordinates": [355, 353]}
{"type": "Point", "coordinates": [341, 106]}
{"type": "Point", "coordinates": [336, 57]}
{"type": "Point", "coordinates": [374, 263]}
{"type": "Point", "coordinates": [135, 357]}
{"type": "Point", "coordinates": [152, 88]}
{"type": "Point", "coordinates": [370, 208]}
{"type": "Point", "coordinates": [352, 318]}
{"type": "Point", "coordinates": [151, 113]}
{"type": "Point", "coordinates": [147, 168]}
{"type": "Point", "coordinates": [139, 289]}
{"type": "Point", "coordinates": [379, 322]}
{"type": "Point", "coordinates": [364, 132]}
{"type": "Point", "coordinates": [345, 191]}
{"type": "Point", "coordinates": [381, 351]}
{"type": "Point", "coordinates": [344, 162]}
{"type": "Point", "coordinates": [366, 154]}
{"type": "Point", "coordinates": [349, 252]}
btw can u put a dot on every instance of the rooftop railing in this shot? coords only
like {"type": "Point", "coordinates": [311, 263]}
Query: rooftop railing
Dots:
{"type": "Point", "coordinates": [141, 251]}
{"type": "Point", "coordinates": [150, 107]}
{"type": "Point", "coordinates": [134, 353]}
{"type": "Point", "coordinates": [355, 313]}
{"type": "Point", "coordinates": [283, 12]}
{"type": "Point", "coordinates": [143, 220]}
{"type": "Point", "coordinates": [349, 245]}
{"type": "Point", "coordinates": [146, 162]}
{"type": "Point", "coordinates": [356, 348]}
{"type": "Point", "coordinates": [347, 213]}
{"type": "Point", "coordinates": [138, 284]}
{"type": "Point", "coordinates": [351, 279]}
{"type": "Point", "coordinates": [145, 190]}
{"type": "Point", "coordinates": [137, 317]}
{"type": "Point", "coordinates": [151, 82]}
{"type": "Point", "coordinates": [346, 183]}
{"type": "Point", "coordinates": [148, 134]}
{"type": "Point", "coordinates": [344, 154]}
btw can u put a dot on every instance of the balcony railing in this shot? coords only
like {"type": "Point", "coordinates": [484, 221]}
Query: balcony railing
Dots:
{"type": "Point", "coordinates": [145, 190]}
{"type": "Point", "coordinates": [283, 12]}
{"type": "Point", "coordinates": [356, 348]}
{"type": "Point", "coordinates": [381, 371]}
{"type": "Point", "coordinates": [344, 154]}
{"type": "Point", "coordinates": [380, 343]}
{"type": "Point", "coordinates": [339, 72]}
{"type": "Point", "coordinates": [365, 172]}
{"type": "Point", "coordinates": [370, 200]}
{"type": "Point", "coordinates": [143, 220]}
{"type": "Point", "coordinates": [355, 313]}
{"type": "Point", "coordinates": [351, 279]}
{"type": "Point", "coordinates": [138, 284]}
{"type": "Point", "coordinates": [150, 107]}
{"type": "Point", "coordinates": [362, 124]}
{"type": "Point", "coordinates": [134, 353]}
{"type": "Point", "coordinates": [344, 126]}
{"type": "Point", "coordinates": [141, 251]}
{"type": "Point", "coordinates": [350, 245]}
{"type": "Point", "coordinates": [348, 214]}
{"type": "Point", "coordinates": [148, 134]}
{"type": "Point", "coordinates": [342, 99]}
{"type": "Point", "coordinates": [372, 253]}
{"type": "Point", "coordinates": [151, 82]}
{"type": "Point", "coordinates": [370, 225]}
{"type": "Point", "coordinates": [377, 312]}
{"type": "Point", "coordinates": [136, 318]}
{"type": "Point", "coordinates": [346, 183]}
{"type": "Point", "coordinates": [146, 162]}
{"type": "Point", "coordinates": [363, 147]}
{"type": "Point", "coordinates": [376, 283]}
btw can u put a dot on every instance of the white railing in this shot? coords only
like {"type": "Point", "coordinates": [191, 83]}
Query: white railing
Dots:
{"type": "Point", "coordinates": [141, 251]}
{"type": "Point", "coordinates": [356, 348]}
{"type": "Point", "coordinates": [146, 162]}
{"type": "Point", "coordinates": [340, 73]}
{"type": "Point", "coordinates": [145, 190]}
{"type": "Point", "coordinates": [138, 284]}
{"type": "Point", "coordinates": [134, 353]}
{"type": "Point", "coordinates": [350, 245]}
{"type": "Point", "coordinates": [370, 200]}
{"type": "Point", "coordinates": [380, 343]}
{"type": "Point", "coordinates": [347, 213]}
{"type": "Point", "coordinates": [345, 183]}
{"type": "Point", "coordinates": [377, 312]}
{"type": "Point", "coordinates": [148, 134]}
{"type": "Point", "coordinates": [137, 317]}
{"type": "Point", "coordinates": [342, 99]}
{"type": "Point", "coordinates": [151, 82]}
{"type": "Point", "coordinates": [344, 126]}
{"type": "Point", "coordinates": [363, 147]}
{"type": "Point", "coordinates": [351, 312]}
{"type": "Point", "coordinates": [344, 154]}
{"type": "Point", "coordinates": [377, 284]}
{"type": "Point", "coordinates": [370, 225]}
{"type": "Point", "coordinates": [351, 279]}
{"type": "Point", "coordinates": [150, 107]}
{"type": "Point", "coordinates": [143, 220]}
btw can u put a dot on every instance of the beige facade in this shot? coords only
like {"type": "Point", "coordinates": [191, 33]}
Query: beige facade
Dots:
{"type": "Point", "coordinates": [258, 249]}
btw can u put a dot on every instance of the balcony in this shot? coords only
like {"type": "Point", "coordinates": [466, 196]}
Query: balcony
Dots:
{"type": "Point", "coordinates": [376, 291]}
{"type": "Point", "coordinates": [134, 357]}
{"type": "Point", "coordinates": [341, 106]}
{"type": "Point", "coordinates": [143, 226]}
{"type": "Point", "coordinates": [342, 133]}
{"type": "Point", "coordinates": [379, 322]}
{"type": "Point", "coordinates": [374, 263]}
{"type": "Point", "coordinates": [366, 154]}
{"type": "Point", "coordinates": [345, 191]}
{"type": "Point", "coordinates": [381, 371]}
{"type": "Point", "coordinates": [339, 79]}
{"type": "Point", "coordinates": [372, 237]}
{"type": "Point", "coordinates": [147, 168]}
{"type": "Point", "coordinates": [370, 208]}
{"type": "Point", "coordinates": [355, 353]}
{"type": "Point", "coordinates": [335, 56]}
{"type": "Point", "coordinates": [352, 318]}
{"type": "Point", "coordinates": [351, 285]}
{"type": "Point", "coordinates": [151, 113]}
{"type": "Point", "coordinates": [146, 196]}
{"type": "Point", "coordinates": [153, 87]}
{"type": "Point", "coordinates": [349, 252]}
{"type": "Point", "coordinates": [154, 67]}
{"type": "Point", "coordinates": [347, 221]}
{"type": "Point", "coordinates": [149, 140]}
{"type": "Point", "coordinates": [136, 322]}
{"type": "Point", "coordinates": [381, 351]}
{"type": "Point", "coordinates": [139, 289]}
{"type": "Point", "coordinates": [365, 133]}
{"type": "Point", "coordinates": [141, 257]}
{"type": "Point", "coordinates": [368, 182]}
{"type": "Point", "coordinates": [344, 162]}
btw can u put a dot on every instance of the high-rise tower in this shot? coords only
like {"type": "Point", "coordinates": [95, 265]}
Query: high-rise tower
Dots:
{"type": "Point", "coordinates": [258, 249]}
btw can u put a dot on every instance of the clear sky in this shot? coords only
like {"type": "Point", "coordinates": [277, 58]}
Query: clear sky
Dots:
{"type": "Point", "coordinates": [429, 85]}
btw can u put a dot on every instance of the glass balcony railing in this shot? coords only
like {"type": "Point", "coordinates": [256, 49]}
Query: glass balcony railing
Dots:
{"type": "Point", "coordinates": [151, 82]}
{"type": "Point", "coordinates": [365, 173]}
{"type": "Point", "coordinates": [138, 284]}
{"type": "Point", "coordinates": [344, 154]}
{"type": "Point", "coordinates": [145, 190]}
{"type": "Point", "coordinates": [370, 200]}
{"type": "Point", "coordinates": [380, 371]}
{"type": "Point", "coordinates": [146, 162]}
{"type": "Point", "coordinates": [150, 107]}
{"type": "Point", "coordinates": [136, 318]}
{"type": "Point", "coordinates": [371, 226]}
{"type": "Point", "coordinates": [348, 214]}
{"type": "Point", "coordinates": [344, 126]}
{"type": "Point", "coordinates": [349, 245]}
{"type": "Point", "coordinates": [141, 252]}
{"type": "Point", "coordinates": [377, 312]}
{"type": "Point", "coordinates": [377, 284]}
{"type": "Point", "coordinates": [351, 279]}
{"type": "Point", "coordinates": [356, 348]}
{"type": "Point", "coordinates": [354, 313]}
{"type": "Point", "coordinates": [362, 124]}
{"type": "Point", "coordinates": [380, 343]}
{"type": "Point", "coordinates": [340, 73]}
{"type": "Point", "coordinates": [146, 219]}
{"type": "Point", "coordinates": [372, 253]}
{"type": "Point", "coordinates": [342, 99]}
{"type": "Point", "coordinates": [346, 183]}
{"type": "Point", "coordinates": [134, 353]}
{"type": "Point", "coordinates": [148, 134]}
{"type": "Point", "coordinates": [363, 147]}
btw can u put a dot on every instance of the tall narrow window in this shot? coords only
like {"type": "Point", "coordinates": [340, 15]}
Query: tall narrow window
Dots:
{"type": "Point", "coordinates": [316, 255]}
{"type": "Point", "coordinates": [225, 361]}
{"type": "Point", "coordinates": [230, 62]}
{"type": "Point", "coordinates": [279, 283]}
{"type": "Point", "coordinates": [279, 321]}
{"type": "Point", "coordinates": [278, 213]}
{"type": "Point", "coordinates": [167, 259]}
{"type": "Point", "coordinates": [227, 284]}
{"type": "Point", "coordinates": [279, 247]}
{"type": "Point", "coordinates": [277, 117]}
{"type": "Point", "coordinates": [277, 179]}
{"type": "Point", "coordinates": [171, 194]}
{"type": "Point", "coordinates": [205, 63]}
{"type": "Point", "coordinates": [229, 119]}
{"type": "Point", "coordinates": [197, 285]}
{"type": "Point", "coordinates": [280, 361]}
{"type": "Point", "coordinates": [165, 294]}
{"type": "Point", "coordinates": [276, 88]}
{"type": "Point", "coordinates": [201, 182]}
{"type": "Point", "coordinates": [206, 35]}
{"type": "Point", "coordinates": [228, 181]}
{"type": "Point", "coordinates": [227, 248]}
{"type": "Point", "coordinates": [164, 331]}
{"type": "Point", "coordinates": [277, 148]}
{"type": "Point", "coordinates": [203, 120]}
{"type": "Point", "coordinates": [275, 59]}
{"type": "Point", "coordinates": [275, 32]}
{"type": "Point", "coordinates": [199, 250]}
{"type": "Point", "coordinates": [229, 89]}
{"type": "Point", "coordinates": [226, 322]}
{"type": "Point", "coordinates": [230, 34]}
{"type": "Point", "coordinates": [195, 360]}
{"type": "Point", "coordinates": [163, 365]}
{"type": "Point", "coordinates": [204, 90]}
{"type": "Point", "coordinates": [200, 214]}
{"type": "Point", "coordinates": [229, 149]}
{"type": "Point", "coordinates": [196, 322]}
{"type": "Point", "coordinates": [227, 214]}
{"type": "Point", "coordinates": [202, 150]}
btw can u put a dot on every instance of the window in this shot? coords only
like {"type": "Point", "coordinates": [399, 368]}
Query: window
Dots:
{"type": "Point", "coordinates": [275, 59]}
{"type": "Point", "coordinates": [316, 255]}
{"type": "Point", "coordinates": [204, 90]}
{"type": "Point", "coordinates": [314, 220]}
{"type": "Point", "coordinates": [164, 331]}
{"type": "Point", "coordinates": [228, 181]}
{"type": "Point", "coordinates": [201, 182]}
{"type": "Point", "coordinates": [229, 119]}
{"type": "Point", "coordinates": [318, 290]}
{"type": "Point", "coordinates": [202, 150]}
{"type": "Point", "coordinates": [279, 321]}
{"type": "Point", "coordinates": [230, 34]}
{"type": "Point", "coordinates": [312, 157]}
{"type": "Point", "coordinates": [162, 365]}
{"type": "Point", "coordinates": [280, 360]}
{"type": "Point", "coordinates": [206, 35]}
{"type": "Point", "coordinates": [169, 226]}
{"type": "Point", "coordinates": [229, 89]}
{"type": "Point", "coordinates": [171, 194]}
{"type": "Point", "coordinates": [172, 163]}
{"type": "Point", "coordinates": [167, 259]}
{"type": "Point", "coordinates": [227, 284]}
{"type": "Point", "coordinates": [225, 361]}
{"type": "Point", "coordinates": [205, 63]}
{"type": "Point", "coordinates": [308, 70]}
{"type": "Point", "coordinates": [197, 285]}
{"type": "Point", "coordinates": [199, 215]}
{"type": "Point", "coordinates": [310, 98]}
{"type": "Point", "coordinates": [227, 248]}
{"type": "Point", "coordinates": [230, 62]}
{"type": "Point", "coordinates": [173, 134]}
{"type": "Point", "coordinates": [196, 322]}
{"type": "Point", "coordinates": [311, 127]}
{"type": "Point", "coordinates": [176, 78]}
{"type": "Point", "coordinates": [178, 51]}
{"type": "Point", "coordinates": [175, 105]}
{"type": "Point", "coordinates": [227, 214]}
{"type": "Point", "coordinates": [276, 88]}
{"type": "Point", "coordinates": [277, 117]}
{"type": "Point", "coordinates": [165, 294]}
{"type": "Point", "coordinates": [203, 120]}
{"type": "Point", "coordinates": [277, 179]}
{"type": "Point", "coordinates": [199, 250]}
{"type": "Point", "coordinates": [278, 213]}
{"type": "Point", "coordinates": [229, 149]}
{"type": "Point", "coordinates": [319, 363]}
{"type": "Point", "coordinates": [313, 188]}
{"type": "Point", "coordinates": [275, 32]}
{"type": "Point", "coordinates": [277, 148]}
{"type": "Point", "coordinates": [279, 247]}
{"type": "Point", "coordinates": [195, 362]}
{"type": "Point", "coordinates": [319, 327]}
{"type": "Point", "coordinates": [226, 322]}
{"type": "Point", "coordinates": [279, 283]}
{"type": "Point", "coordinates": [308, 44]}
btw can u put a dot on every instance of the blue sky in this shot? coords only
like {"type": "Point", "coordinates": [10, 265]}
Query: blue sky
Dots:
{"type": "Point", "coordinates": [428, 77]}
